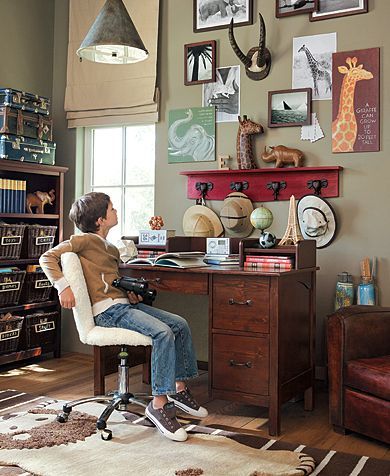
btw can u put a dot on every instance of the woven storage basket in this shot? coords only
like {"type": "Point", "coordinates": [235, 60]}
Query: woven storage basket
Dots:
{"type": "Point", "coordinates": [11, 239]}
{"type": "Point", "coordinates": [11, 284]}
{"type": "Point", "coordinates": [40, 330]}
{"type": "Point", "coordinates": [39, 239]}
{"type": "Point", "coordinates": [36, 287]}
{"type": "Point", "coordinates": [10, 334]}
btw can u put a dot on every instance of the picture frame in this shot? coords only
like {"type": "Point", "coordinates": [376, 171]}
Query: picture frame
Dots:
{"type": "Point", "coordinates": [200, 62]}
{"type": "Point", "coordinates": [351, 7]}
{"type": "Point", "coordinates": [208, 15]}
{"type": "Point", "coordinates": [289, 107]}
{"type": "Point", "coordinates": [282, 9]}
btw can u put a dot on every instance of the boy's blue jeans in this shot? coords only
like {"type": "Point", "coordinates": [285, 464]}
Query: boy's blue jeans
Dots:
{"type": "Point", "coordinates": [173, 355]}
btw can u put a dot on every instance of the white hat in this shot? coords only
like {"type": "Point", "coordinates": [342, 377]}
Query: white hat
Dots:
{"type": "Point", "coordinates": [200, 220]}
{"type": "Point", "coordinates": [317, 220]}
{"type": "Point", "coordinates": [235, 215]}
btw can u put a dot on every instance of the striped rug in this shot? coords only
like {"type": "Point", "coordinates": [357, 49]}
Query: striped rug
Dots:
{"type": "Point", "coordinates": [329, 463]}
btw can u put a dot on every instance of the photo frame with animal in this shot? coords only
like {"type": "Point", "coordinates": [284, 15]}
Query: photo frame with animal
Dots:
{"type": "Point", "coordinates": [289, 107]}
{"type": "Point", "coordinates": [329, 9]}
{"type": "Point", "coordinates": [199, 62]}
{"type": "Point", "coordinates": [286, 8]}
{"type": "Point", "coordinates": [215, 14]}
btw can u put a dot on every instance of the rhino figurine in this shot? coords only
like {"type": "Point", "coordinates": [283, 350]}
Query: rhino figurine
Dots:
{"type": "Point", "coordinates": [282, 155]}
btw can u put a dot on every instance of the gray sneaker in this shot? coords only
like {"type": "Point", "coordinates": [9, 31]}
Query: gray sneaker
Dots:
{"type": "Point", "coordinates": [186, 402]}
{"type": "Point", "coordinates": [165, 421]}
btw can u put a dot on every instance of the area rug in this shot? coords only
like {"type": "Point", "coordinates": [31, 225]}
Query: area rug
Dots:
{"type": "Point", "coordinates": [328, 463]}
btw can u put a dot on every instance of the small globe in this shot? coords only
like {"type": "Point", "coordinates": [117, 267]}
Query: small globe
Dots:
{"type": "Point", "coordinates": [267, 240]}
{"type": "Point", "coordinates": [261, 218]}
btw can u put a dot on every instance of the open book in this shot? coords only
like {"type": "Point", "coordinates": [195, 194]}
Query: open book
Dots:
{"type": "Point", "coordinates": [179, 259]}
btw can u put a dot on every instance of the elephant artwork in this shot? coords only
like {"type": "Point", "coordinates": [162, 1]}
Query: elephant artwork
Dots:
{"type": "Point", "coordinates": [191, 135]}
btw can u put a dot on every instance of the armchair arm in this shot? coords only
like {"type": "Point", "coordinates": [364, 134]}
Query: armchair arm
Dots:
{"type": "Point", "coordinates": [354, 332]}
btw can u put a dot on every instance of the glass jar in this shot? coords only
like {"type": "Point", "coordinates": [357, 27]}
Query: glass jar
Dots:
{"type": "Point", "coordinates": [366, 291]}
{"type": "Point", "coordinates": [344, 291]}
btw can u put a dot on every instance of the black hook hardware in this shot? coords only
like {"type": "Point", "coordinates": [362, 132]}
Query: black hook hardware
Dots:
{"type": "Point", "coordinates": [239, 186]}
{"type": "Point", "coordinates": [276, 187]}
{"type": "Point", "coordinates": [203, 188]}
{"type": "Point", "coordinates": [317, 185]}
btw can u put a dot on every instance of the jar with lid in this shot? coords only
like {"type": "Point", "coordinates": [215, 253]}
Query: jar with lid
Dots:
{"type": "Point", "coordinates": [344, 290]}
{"type": "Point", "coordinates": [366, 291]}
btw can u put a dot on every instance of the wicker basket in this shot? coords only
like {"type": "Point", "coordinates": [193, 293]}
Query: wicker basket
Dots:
{"type": "Point", "coordinates": [11, 284]}
{"type": "Point", "coordinates": [11, 239]}
{"type": "Point", "coordinates": [39, 239]}
{"type": "Point", "coordinates": [40, 330]}
{"type": "Point", "coordinates": [36, 288]}
{"type": "Point", "coordinates": [9, 334]}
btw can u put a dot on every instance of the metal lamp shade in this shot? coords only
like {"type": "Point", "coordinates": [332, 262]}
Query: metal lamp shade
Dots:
{"type": "Point", "coordinates": [113, 38]}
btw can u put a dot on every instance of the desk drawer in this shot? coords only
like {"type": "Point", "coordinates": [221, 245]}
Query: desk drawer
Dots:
{"type": "Point", "coordinates": [241, 303]}
{"type": "Point", "coordinates": [184, 283]}
{"type": "Point", "coordinates": [240, 364]}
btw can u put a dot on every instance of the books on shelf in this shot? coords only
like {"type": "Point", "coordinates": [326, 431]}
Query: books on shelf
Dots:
{"type": "Point", "coordinates": [12, 195]}
{"type": "Point", "coordinates": [180, 259]}
{"type": "Point", "coordinates": [269, 262]}
{"type": "Point", "coordinates": [268, 266]}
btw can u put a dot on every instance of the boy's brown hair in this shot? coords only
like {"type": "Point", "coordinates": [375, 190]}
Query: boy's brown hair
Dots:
{"type": "Point", "coordinates": [88, 209]}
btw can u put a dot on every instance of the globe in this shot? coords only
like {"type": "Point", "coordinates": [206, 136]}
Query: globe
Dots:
{"type": "Point", "coordinates": [261, 218]}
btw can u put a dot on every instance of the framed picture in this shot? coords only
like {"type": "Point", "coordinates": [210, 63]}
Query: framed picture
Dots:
{"type": "Point", "coordinates": [199, 62]}
{"type": "Point", "coordinates": [215, 14]}
{"type": "Point", "coordinates": [339, 8]}
{"type": "Point", "coordinates": [286, 8]}
{"type": "Point", "coordinates": [289, 107]}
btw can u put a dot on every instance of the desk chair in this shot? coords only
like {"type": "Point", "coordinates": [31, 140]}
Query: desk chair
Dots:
{"type": "Point", "coordinates": [94, 335]}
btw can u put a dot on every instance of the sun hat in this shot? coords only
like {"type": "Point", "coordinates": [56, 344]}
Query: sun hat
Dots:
{"type": "Point", "coordinates": [235, 215]}
{"type": "Point", "coordinates": [317, 220]}
{"type": "Point", "coordinates": [200, 220]}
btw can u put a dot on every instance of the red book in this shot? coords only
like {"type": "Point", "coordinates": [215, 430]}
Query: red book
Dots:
{"type": "Point", "coordinates": [268, 266]}
{"type": "Point", "coordinates": [266, 259]}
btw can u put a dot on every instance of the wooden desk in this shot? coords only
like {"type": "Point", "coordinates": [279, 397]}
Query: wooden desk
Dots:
{"type": "Point", "coordinates": [261, 330]}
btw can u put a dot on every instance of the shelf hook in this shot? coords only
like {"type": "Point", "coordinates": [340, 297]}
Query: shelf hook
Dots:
{"type": "Point", "coordinates": [276, 187]}
{"type": "Point", "coordinates": [239, 186]}
{"type": "Point", "coordinates": [203, 188]}
{"type": "Point", "coordinates": [317, 185]}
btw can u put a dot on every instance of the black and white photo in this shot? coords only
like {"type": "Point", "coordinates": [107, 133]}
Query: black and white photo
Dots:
{"type": "Point", "coordinates": [289, 107]}
{"type": "Point", "coordinates": [224, 94]}
{"type": "Point", "coordinates": [215, 14]}
{"type": "Point", "coordinates": [199, 62]}
{"type": "Point", "coordinates": [312, 63]}
{"type": "Point", "coordinates": [338, 8]}
{"type": "Point", "coordinates": [286, 8]}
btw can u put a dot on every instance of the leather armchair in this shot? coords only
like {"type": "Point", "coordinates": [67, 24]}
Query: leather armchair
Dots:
{"type": "Point", "coordinates": [359, 370]}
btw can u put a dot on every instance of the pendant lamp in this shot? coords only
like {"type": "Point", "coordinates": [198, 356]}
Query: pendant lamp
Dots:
{"type": "Point", "coordinates": [113, 38]}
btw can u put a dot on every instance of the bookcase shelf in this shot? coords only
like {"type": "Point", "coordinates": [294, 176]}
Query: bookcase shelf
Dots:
{"type": "Point", "coordinates": [28, 216]}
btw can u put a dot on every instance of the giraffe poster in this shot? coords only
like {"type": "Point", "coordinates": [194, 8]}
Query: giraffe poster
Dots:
{"type": "Point", "coordinates": [355, 126]}
{"type": "Point", "coordinates": [312, 64]}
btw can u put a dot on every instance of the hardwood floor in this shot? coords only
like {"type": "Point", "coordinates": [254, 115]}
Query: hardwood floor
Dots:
{"type": "Point", "coordinates": [71, 377]}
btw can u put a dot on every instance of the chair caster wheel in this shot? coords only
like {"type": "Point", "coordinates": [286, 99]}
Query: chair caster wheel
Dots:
{"type": "Point", "coordinates": [62, 417]}
{"type": "Point", "coordinates": [106, 435]}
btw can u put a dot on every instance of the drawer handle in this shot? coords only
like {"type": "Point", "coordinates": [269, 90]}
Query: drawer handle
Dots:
{"type": "Point", "coordinates": [248, 302]}
{"type": "Point", "coordinates": [233, 363]}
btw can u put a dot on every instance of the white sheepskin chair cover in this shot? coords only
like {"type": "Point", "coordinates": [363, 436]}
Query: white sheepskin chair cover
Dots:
{"type": "Point", "coordinates": [82, 312]}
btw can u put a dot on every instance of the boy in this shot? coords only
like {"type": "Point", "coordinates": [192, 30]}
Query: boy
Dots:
{"type": "Point", "coordinates": [173, 357]}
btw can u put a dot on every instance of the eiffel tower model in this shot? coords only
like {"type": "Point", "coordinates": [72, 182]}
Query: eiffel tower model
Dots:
{"type": "Point", "coordinates": [293, 233]}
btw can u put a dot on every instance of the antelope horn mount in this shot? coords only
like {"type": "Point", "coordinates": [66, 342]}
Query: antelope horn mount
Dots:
{"type": "Point", "coordinates": [257, 61]}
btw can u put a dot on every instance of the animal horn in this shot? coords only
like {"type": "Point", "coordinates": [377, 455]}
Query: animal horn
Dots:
{"type": "Point", "coordinates": [243, 58]}
{"type": "Point", "coordinates": [261, 53]}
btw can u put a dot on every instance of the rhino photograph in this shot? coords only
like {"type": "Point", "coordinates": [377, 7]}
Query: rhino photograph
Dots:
{"type": "Point", "coordinates": [214, 14]}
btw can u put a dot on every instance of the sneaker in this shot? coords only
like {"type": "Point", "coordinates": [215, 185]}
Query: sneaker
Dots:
{"type": "Point", "coordinates": [165, 421]}
{"type": "Point", "coordinates": [186, 402]}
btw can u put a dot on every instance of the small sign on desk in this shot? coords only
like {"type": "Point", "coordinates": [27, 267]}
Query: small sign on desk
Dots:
{"type": "Point", "coordinates": [154, 237]}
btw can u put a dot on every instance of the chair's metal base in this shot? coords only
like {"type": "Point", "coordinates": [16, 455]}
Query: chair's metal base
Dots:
{"type": "Point", "coordinates": [117, 401]}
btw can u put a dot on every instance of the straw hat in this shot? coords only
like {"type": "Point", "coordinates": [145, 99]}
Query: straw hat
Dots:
{"type": "Point", "coordinates": [317, 220]}
{"type": "Point", "coordinates": [235, 215]}
{"type": "Point", "coordinates": [200, 220]}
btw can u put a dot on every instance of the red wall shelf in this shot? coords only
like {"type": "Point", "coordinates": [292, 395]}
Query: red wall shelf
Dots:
{"type": "Point", "coordinates": [296, 182]}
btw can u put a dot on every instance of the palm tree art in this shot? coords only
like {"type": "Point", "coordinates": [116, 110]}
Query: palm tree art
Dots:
{"type": "Point", "coordinates": [196, 53]}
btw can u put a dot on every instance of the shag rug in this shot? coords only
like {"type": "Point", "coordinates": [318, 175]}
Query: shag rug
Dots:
{"type": "Point", "coordinates": [32, 440]}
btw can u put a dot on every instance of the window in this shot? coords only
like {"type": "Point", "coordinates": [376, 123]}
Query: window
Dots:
{"type": "Point", "coordinates": [120, 161]}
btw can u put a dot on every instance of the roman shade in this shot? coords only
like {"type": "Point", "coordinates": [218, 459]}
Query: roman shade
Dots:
{"type": "Point", "coordinates": [102, 94]}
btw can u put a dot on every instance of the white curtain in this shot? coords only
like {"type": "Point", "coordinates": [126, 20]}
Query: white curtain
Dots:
{"type": "Point", "coordinates": [100, 94]}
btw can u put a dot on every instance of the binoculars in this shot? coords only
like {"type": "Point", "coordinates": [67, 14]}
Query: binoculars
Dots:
{"type": "Point", "coordinates": [138, 286]}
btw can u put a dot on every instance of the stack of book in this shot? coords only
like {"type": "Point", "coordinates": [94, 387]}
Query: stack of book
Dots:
{"type": "Point", "coordinates": [221, 260]}
{"type": "Point", "coordinates": [269, 262]}
{"type": "Point", "coordinates": [149, 253]}
{"type": "Point", "coordinates": [12, 196]}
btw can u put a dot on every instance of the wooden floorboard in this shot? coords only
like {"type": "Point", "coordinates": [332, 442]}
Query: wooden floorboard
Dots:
{"type": "Point", "coordinates": [71, 377]}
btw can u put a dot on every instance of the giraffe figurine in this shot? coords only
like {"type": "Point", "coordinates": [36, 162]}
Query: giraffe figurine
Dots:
{"type": "Point", "coordinates": [318, 72]}
{"type": "Point", "coordinates": [245, 156]}
{"type": "Point", "coordinates": [344, 127]}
